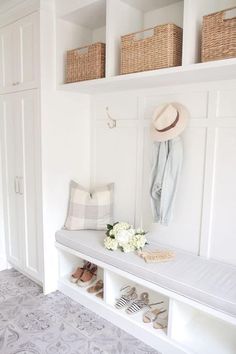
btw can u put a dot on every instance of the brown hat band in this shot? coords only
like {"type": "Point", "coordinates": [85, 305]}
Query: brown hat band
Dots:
{"type": "Point", "coordinates": [170, 126]}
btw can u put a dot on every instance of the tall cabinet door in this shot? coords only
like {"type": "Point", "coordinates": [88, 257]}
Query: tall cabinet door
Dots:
{"type": "Point", "coordinates": [21, 132]}
{"type": "Point", "coordinates": [13, 206]}
{"type": "Point", "coordinates": [29, 183]}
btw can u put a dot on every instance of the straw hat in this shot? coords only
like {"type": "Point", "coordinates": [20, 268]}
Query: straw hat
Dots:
{"type": "Point", "coordinates": [168, 121]}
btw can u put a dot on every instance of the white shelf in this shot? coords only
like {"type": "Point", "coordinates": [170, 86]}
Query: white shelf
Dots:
{"type": "Point", "coordinates": [211, 71]}
{"type": "Point", "coordinates": [130, 323]}
{"type": "Point", "coordinates": [65, 281]}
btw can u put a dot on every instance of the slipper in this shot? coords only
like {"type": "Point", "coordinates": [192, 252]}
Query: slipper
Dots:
{"type": "Point", "coordinates": [78, 272]}
{"type": "Point", "coordinates": [100, 295]}
{"type": "Point", "coordinates": [88, 276]}
{"type": "Point", "coordinates": [127, 297]}
{"type": "Point", "coordinates": [96, 288]}
{"type": "Point", "coordinates": [160, 323]}
{"type": "Point", "coordinates": [151, 315]}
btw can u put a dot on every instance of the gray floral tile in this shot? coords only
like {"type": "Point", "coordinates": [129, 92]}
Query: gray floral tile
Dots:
{"type": "Point", "coordinates": [31, 323]}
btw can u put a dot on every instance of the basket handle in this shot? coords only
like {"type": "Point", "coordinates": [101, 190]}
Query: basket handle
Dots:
{"type": "Point", "coordinates": [229, 11]}
{"type": "Point", "coordinates": [83, 50]}
{"type": "Point", "coordinates": [133, 35]}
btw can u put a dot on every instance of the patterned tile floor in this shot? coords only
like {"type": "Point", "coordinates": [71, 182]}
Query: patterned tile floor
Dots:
{"type": "Point", "coordinates": [31, 323]}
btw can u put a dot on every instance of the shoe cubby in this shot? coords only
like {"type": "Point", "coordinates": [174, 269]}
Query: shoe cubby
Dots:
{"type": "Point", "coordinates": [192, 327]}
{"type": "Point", "coordinates": [68, 263]}
{"type": "Point", "coordinates": [114, 284]}
{"type": "Point", "coordinates": [199, 331]}
{"type": "Point", "coordinates": [78, 26]}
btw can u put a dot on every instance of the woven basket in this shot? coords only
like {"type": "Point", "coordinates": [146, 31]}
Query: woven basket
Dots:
{"type": "Point", "coordinates": [85, 63]}
{"type": "Point", "coordinates": [218, 36]}
{"type": "Point", "coordinates": [163, 49]}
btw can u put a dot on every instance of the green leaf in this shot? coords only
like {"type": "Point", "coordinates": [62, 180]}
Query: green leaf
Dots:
{"type": "Point", "coordinates": [109, 226]}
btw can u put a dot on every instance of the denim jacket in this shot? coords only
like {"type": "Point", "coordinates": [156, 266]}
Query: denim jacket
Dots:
{"type": "Point", "coordinates": [165, 173]}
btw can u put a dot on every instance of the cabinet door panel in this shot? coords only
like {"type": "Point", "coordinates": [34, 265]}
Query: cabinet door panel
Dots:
{"type": "Point", "coordinates": [28, 102]}
{"type": "Point", "coordinates": [27, 59]}
{"type": "Point", "coordinates": [9, 132]}
{"type": "Point", "coordinates": [7, 57]}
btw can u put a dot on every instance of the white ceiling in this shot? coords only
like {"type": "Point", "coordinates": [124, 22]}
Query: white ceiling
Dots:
{"type": "Point", "coordinates": [148, 5]}
{"type": "Point", "coordinates": [91, 16]}
{"type": "Point", "coordinates": [6, 5]}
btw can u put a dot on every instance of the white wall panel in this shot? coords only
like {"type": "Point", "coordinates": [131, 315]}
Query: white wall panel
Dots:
{"type": "Point", "coordinates": [121, 106]}
{"type": "Point", "coordinates": [226, 103]}
{"type": "Point", "coordinates": [184, 230]}
{"type": "Point", "coordinates": [223, 231]}
{"type": "Point", "coordinates": [205, 204]}
{"type": "Point", "coordinates": [116, 162]}
{"type": "Point", "coordinates": [196, 102]}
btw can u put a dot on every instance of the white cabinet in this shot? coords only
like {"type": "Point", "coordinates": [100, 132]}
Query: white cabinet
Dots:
{"type": "Point", "coordinates": [21, 155]}
{"type": "Point", "coordinates": [19, 54]}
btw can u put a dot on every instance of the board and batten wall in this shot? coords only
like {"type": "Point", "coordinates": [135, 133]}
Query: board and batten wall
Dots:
{"type": "Point", "coordinates": [204, 220]}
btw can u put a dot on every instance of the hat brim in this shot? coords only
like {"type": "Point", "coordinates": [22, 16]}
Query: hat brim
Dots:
{"type": "Point", "coordinates": [175, 131]}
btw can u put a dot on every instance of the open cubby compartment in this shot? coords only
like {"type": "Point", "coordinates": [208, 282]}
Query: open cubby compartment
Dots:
{"type": "Point", "coordinates": [78, 26]}
{"type": "Point", "coordinates": [114, 283]}
{"type": "Point", "coordinates": [67, 265]}
{"type": "Point", "coordinates": [128, 16]}
{"type": "Point", "coordinates": [193, 17]}
{"type": "Point", "coordinates": [200, 332]}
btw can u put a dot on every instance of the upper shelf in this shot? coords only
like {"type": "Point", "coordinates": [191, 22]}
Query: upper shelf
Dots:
{"type": "Point", "coordinates": [211, 71]}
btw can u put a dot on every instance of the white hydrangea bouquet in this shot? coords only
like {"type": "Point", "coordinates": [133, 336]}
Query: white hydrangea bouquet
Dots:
{"type": "Point", "coordinates": [123, 236]}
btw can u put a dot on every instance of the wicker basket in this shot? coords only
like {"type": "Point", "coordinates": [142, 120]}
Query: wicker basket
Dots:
{"type": "Point", "coordinates": [218, 36]}
{"type": "Point", "coordinates": [85, 63]}
{"type": "Point", "coordinates": [163, 49]}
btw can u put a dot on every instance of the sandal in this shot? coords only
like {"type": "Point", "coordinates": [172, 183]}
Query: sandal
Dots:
{"type": "Point", "coordinates": [78, 272]}
{"type": "Point", "coordinates": [129, 296]}
{"type": "Point", "coordinates": [88, 276]}
{"type": "Point", "coordinates": [160, 323]}
{"type": "Point", "coordinates": [100, 295]}
{"type": "Point", "coordinates": [140, 304]}
{"type": "Point", "coordinates": [96, 288]}
{"type": "Point", "coordinates": [151, 315]}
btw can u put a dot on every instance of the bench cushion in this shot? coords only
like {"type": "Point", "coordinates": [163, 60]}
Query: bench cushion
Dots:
{"type": "Point", "coordinates": [209, 282]}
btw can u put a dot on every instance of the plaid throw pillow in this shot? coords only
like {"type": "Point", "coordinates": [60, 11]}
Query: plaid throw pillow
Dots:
{"type": "Point", "coordinates": [89, 211]}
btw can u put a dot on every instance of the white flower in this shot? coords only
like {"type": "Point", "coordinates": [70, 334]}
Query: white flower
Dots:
{"type": "Point", "coordinates": [121, 226]}
{"type": "Point", "coordinates": [140, 231]}
{"type": "Point", "coordinates": [124, 236]}
{"type": "Point", "coordinates": [139, 241]}
{"type": "Point", "coordinates": [128, 248]}
{"type": "Point", "coordinates": [110, 243]}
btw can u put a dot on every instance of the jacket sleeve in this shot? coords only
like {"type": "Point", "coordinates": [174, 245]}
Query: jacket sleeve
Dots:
{"type": "Point", "coordinates": [160, 154]}
{"type": "Point", "coordinates": [170, 179]}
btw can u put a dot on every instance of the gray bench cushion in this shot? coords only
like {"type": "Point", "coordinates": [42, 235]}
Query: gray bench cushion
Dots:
{"type": "Point", "coordinates": [209, 282]}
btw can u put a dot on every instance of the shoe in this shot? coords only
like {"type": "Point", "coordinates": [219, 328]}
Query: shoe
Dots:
{"type": "Point", "coordinates": [88, 277]}
{"type": "Point", "coordinates": [151, 315]}
{"type": "Point", "coordinates": [96, 288]}
{"type": "Point", "coordinates": [160, 323]}
{"type": "Point", "coordinates": [125, 299]}
{"type": "Point", "coordinates": [100, 295]}
{"type": "Point", "coordinates": [78, 272]}
{"type": "Point", "coordinates": [140, 304]}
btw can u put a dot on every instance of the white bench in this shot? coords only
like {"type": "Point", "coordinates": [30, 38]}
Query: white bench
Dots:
{"type": "Point", "coordinates": [200, 294]}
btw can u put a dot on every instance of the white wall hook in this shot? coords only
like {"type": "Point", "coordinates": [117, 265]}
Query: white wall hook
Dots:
{"type": "Point", "coordinates": [111, 122]}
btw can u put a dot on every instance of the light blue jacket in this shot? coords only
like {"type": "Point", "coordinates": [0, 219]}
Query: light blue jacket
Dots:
{"type": "Point", "coordinates": [167, 163]}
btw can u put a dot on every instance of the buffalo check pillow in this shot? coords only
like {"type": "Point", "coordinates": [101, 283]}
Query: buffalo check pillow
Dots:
{"type": "Point", "coordinates": [89, 210]}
